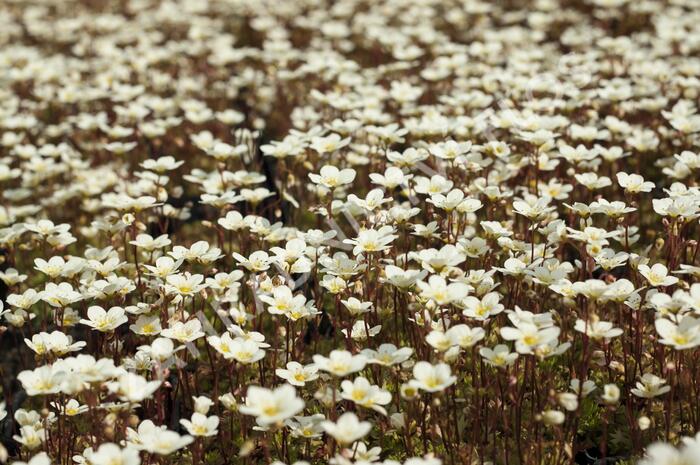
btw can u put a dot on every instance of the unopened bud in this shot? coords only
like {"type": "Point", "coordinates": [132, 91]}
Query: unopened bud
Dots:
{"type": "Point", "coordinates": [552, 417]}
{"type": "Point", "coordinates": [644, 423]}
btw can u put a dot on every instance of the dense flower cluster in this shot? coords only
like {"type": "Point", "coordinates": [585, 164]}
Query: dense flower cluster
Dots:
{"type": "Point", "coordinates": [350, 232]}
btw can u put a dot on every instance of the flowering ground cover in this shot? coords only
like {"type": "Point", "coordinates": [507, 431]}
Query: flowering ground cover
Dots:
{"type": "Point", "coordinates": [400, 232]}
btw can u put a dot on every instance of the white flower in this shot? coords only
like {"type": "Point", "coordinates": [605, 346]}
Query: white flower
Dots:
{"type": "Point", "coordinates": [633, 183]}
{"type": "Point", "coordinates": [71, 408]}
{"type": "Point", "coordinates": [146, 325]}
{"type": "Point", "coordinates": [133, 388]}
{"type": "Point", "coordinates": [184, 284]}
{"type": "Point", "coordinates": [109, 453]}
{"type": "Point", "coordinates": [611, 394]}
{"type": "Point", "coordinates": [46, 379]}
{"type": "Point", "coordinates": [355, 306]}
{"type": "Point", "coordinates": [46, 227]}
{"type": "Point", "coordinates": [283, 302]}
{"type": "Point", "coordinates": [201, 425]}
{"type": "Point", "coordinates": [684, 335]}
{"type": "Point", "coordinates": [372, 240]}
{"type": "Point", "coordinates": [161, 349]}
{"type": "Point", "coordinates": [387, 354]}
{"type": "Point", "coordinates": [500, 356]}
{"type": "Point", "coordinates": [233, 221]}
{"type": "Point", "coordinates": [340, 363]}
{"type": "Point", "coordinates": [367, 395]}
{"type": "Point", "coordinates": [184, 331]}
{"type": "Point", "coordinates": [60, 295]}
{"type": "Point", "coordinates": [306, 427]}
{"type": "Point", "coordinates": [158, 439]}
{"type": "Point", "coordinates": [392, 178]}
{"type": "Point", "coordinates": [432, 378]}
{"type": "Point", "coordinates": [657, 275]}
{"type": "Point", "coordinates": [535, 209]}
{"type": "Point", "coordinates": [105, 321]}
{"type": "Point", "coordinates": [459, 335]}
{"type": "Point", "coordinates": [597, 329]}
{"type": "Point", "coordinates": [552, 417]}
{"type": "Point", "coordinates": [528, 336]}
{"type": "Point", "coordinates": [568, 400]}
{"type": "Point", "coordinates": [450, 149]}
{"type": "Point", "coordinates": [164, 267]}
{"type": "Point", "coordinates": [272, 406]}
{"type": "Point", "coordinates": [56, 343]}
{"type": "Point", "coordinates": [442, 293]}
{"type": "Point", "coordinates": [57, 266]}
{"type": "Point", "coordinates": [677, 207]}
{"type": "Point", "coordinates": [162, 164]}
{"type": "Point", "coordinates": [245, 351]}
{"type": "Point", "coordinates": [372, 201]}
{"type": "Point", "coordinates": [448, 202]}
{"type": "Point", "coordinates": [30, 437]}
{"type": "Point", "coordinates": [149, 244]}
{"type": "Point", "coordinates": [650, 386]}
{"type": "Point", "coordinates": [438, 340]}
{"type": "Point", "coordinates": [435, 185]}
{"type": "Point", "coordinates": [401, 278]}
{"type": "Point", "coordinates": [229, 402]}
{"type": "Point", "coordinates": [588, 386]}
{"type": "Point", "coordinates": [328, 144]}
{"type": "Point", "coordinates": [258, 261]}
{"type": "Point", "coordinates": [360, 330]}
{"type": "Point", "coordinates": [660, 453]}
{"type": "Point", "coordinates": [440, 261]}
{"type": "Point", "coordinates": [331, 177]}
{"type": "Point", "coordinates": [39, 459]}
{"type": "Point", "coordinates": [200, 251]}
{"type": "Point", "coordinates": [347, 429]}
{"type": "Point", "coordinates": [202, 404]}
{"type": "Point", "coordinates": [297, 374]}
{"type": "Point", "coordinates": [484, 308]}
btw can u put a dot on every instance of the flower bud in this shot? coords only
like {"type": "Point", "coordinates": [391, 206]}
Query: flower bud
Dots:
{"type": "Point", "coordinates": [644, 422]}
{"type": "Point", "coordinates": [568, 400]}
{"type": "Point", "coordinates": [611, 394]}
{"type": "Point", "coordinates": [552, 417]}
